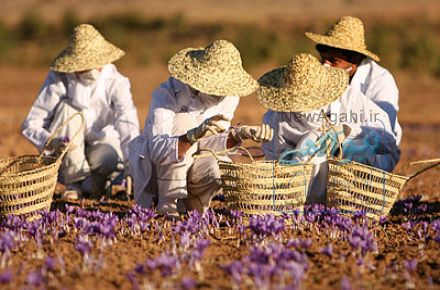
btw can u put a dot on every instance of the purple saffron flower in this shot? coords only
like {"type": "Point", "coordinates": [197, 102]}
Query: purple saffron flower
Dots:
{"type": "Point", "coordinates": [235, 270]}
{"type": "Point", "coordinates": [306, 243]}
{"type": "Point", "coordinates": [6, 277]}
{"type": "Point", "coordinates": [83, 245]}
{"type": "Point", "coordinates": [188, 283]}
{"type": "Point", "coordinates": [345, 283]}
{"type": "Point", "coordinates": [295, 243]}
{"type": "Point", "coordinates": [267, 225]}
{"type": "Point", "coordinates": [35, 279]}
{"type": "Point", "coordinates": [69, 209]}
{"type": "Point", "coordinates": [328, 250]}
{"type": "Point", "coordinates": [407, 226]}
{"type": "Point", "coordinates": [50, 264]}
{"type": "Point", "coordinates": [423, 208]}
{"type": "Point", "coordinates": [355, 242]}
{"type": "Point", "coordinates": [296, 270]}
{"type": "Point", "coordinates": [165, 263]}
{"type": "Point", "coordinates": [202, 244]}
{"type": "Point", "coordinates": [6, 242]}
{"type": "Point", "coordinates": [140, 269]}
{"type": "Point", "coordinates": [133, 280]}
{"type": "Point", "coordinates": [235, 214]}
{"type": "Point", "coordinates": [411, 265]}
{"type": "Point", "coordinates": [357, 215]}
{"type": "Point", "coordinates": [436, 226]}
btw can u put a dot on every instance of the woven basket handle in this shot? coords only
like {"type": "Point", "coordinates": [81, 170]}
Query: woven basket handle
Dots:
{"type": "Point", "coordinates": [428, 164]}
{"type": "Point", "coordinates": [215, 154]}
{"type": "Point", "coordinates": [247, 152]}
{"type": "Point", "coordinates": [328, 126]}
{"type": "Point", "coordinates": [211, 153]}
{"type": "Point", "coordinates": [58, 129]}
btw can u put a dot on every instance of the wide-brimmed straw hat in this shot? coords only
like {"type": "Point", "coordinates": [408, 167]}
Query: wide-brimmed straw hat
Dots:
{"type": "Point", "coordinates": [347, 33]}
{"type": "Point", "coordinates": [216, 70]}
{"type": "Point", "coordinates": [303, 85]}
{"type": "Point", "coordinates": [87, 49]}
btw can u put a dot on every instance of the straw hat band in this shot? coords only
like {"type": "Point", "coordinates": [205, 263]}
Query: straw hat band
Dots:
{"type": "Point", "coordinates": [215, 70]}
{"type": "Point", "coordinates": [348, 33]}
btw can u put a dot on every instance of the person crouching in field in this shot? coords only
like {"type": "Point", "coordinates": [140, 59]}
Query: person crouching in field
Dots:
{"type": "Point", "coordinates": [82, 79]}
{"type": "Point", "coordinates": [190, 112]}
{"type": "Point", "coordinates": [310, 103]}
{"type": "Point", "coordinates": [343, 46]}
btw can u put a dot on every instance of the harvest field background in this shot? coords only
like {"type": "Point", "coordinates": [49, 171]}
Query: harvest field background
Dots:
{"type": "Point", "coordinates": [403, 252]}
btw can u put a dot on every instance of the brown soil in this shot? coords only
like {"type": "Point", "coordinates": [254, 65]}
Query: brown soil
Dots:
{"type": "Point", "coordinates": [383, 269]}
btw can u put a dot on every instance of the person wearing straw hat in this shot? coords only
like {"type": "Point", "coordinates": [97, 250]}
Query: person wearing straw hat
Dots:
{"type": "Point", "coordinates": [343, 46]}
{"type": "Point", "coordinates": [189, 113]}
{"type": "Point", "coordinates": [83, 79]}
{"type": "Point", "coordinates": [304, 95]}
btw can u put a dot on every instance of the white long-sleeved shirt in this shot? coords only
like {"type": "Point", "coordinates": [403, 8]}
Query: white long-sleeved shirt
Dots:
{"type": "Point", "coordinates": [110, 105]}
{"type": "Point", "coordinates": [352, 108]}
{"type": "Point", "coordinates": [174, 110]}
{"type": "Point", "coordinates": [378, 85]}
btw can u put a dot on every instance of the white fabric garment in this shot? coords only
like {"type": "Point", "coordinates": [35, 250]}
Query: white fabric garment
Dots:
{"type": "Point", "coordinates": [94, 161]}
{"type": "Point", "coordinates": [353, 108]}
{"type": "Point", "coordinates": [378, 85]}
{"type": "Point", "coordinates": [90, 77]}
{"type": "Point", "coordinates": [75, 166]}
{"type": "Point", "coordinates": [173, 111]}
{"type": "Point", "coordinates": [107, 106]}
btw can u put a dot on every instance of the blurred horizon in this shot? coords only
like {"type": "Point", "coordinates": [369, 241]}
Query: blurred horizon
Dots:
{"type": "Point", "coordinates": [404, 33]}
{"type": "Point", "coordinates": [33, 32]}
{"type": "Point", "coordinates": [226, 10]}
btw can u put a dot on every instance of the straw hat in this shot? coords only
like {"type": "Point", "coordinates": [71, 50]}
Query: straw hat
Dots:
{"type": "Point", "coordinates": [302, 85]}
{"type": "Point", "coordinates": [347, 33]}
{"type": "Point", "coordinates": [216, 70]}
{"type": "Point", "coordinates": [87, 49]}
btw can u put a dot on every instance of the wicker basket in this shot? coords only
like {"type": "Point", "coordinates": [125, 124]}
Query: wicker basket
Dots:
{"type": "Point", "coordinates": [265, 187]}
{"type": "Point", "coordinates": [355, 187]}
{"type": "Point", "coordinates": [27, 183]}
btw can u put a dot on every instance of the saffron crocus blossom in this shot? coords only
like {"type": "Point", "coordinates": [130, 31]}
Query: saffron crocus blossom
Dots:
{"type": "Point", "coordinates": [383, 220]}
{"type": "Point", "coordinates": [299, 244]}
{"type": "Point", "coordinates": [362, 239]}
{"type": "Point", "coordinates": [83, 246]}
{"type": "Point", "coordinates": [6, 277]}
{"type": "Point", "coordinates": [6, 245]}
{"type": "Point", "coordinates": [131, 276]}
{"type": "Point", "coordinates": [411, 265]}
{"type": "Point", "coordinates": [50, 264]}
{"type": "Point", "coordinates": [266, 264]}
{"type": "Point", "coordinates": [345, 283]}
{"type": "Point", "coordinates": [165, 263]}
{"type": "Point", "coordinates": [188, 283]}
{"type": "Point", "coordinates": [328, 250]}
{"type": "Point", "coordinates": [265, 226]}
{"type": "Point", "coordinates": [199, 248]}
{"type": "Point", "coordinates": [235, 271]}
{"type": "Point", "coordinates": [35, 279]}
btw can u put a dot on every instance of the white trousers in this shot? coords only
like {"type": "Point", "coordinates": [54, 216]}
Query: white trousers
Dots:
{"type": "Point", "coordinates": [88, 164]}
{"type": "Point", "coordinates": [194, 181]}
